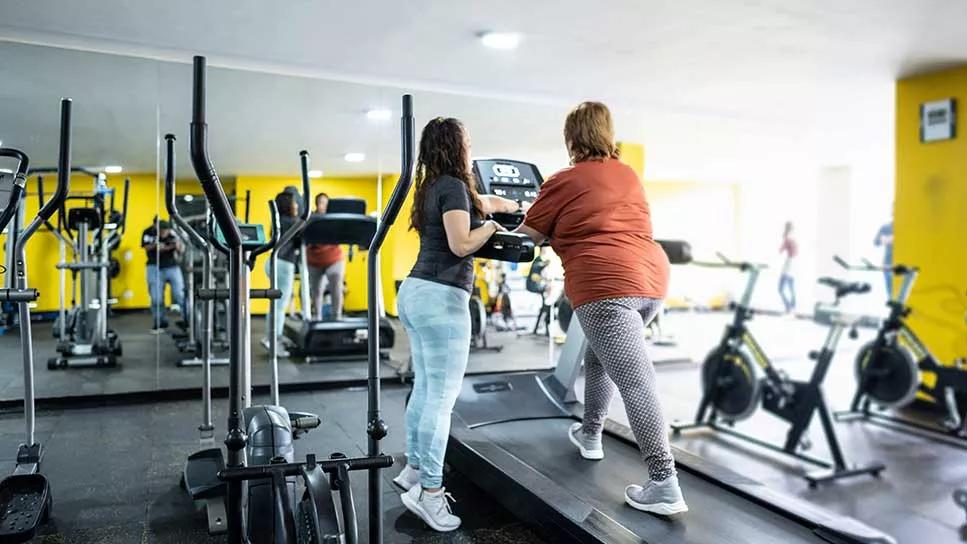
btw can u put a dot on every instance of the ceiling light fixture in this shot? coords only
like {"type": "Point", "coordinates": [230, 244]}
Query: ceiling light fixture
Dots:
{"type": "Point", "coordinates": [315, 174]}
{"type": "Point", "coordinates": [500, 40]}
{"type": "Point", "coordinates": [354, 157]}
{"type": "Point", "coordinates": [379, 114]}
{"type": "Point", "coordinates": [113, 169]}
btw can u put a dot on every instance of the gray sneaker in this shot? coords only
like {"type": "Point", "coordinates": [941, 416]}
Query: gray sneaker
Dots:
{"type": "Point", "coordinates": [590, 447]}
{"type": "Point", "coordinates": [663, 498]}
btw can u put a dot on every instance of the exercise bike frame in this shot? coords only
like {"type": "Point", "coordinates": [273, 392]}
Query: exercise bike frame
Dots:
{"type": "Point", "coordinates": [896, 333]}
{"type": "Point", "coordinates": [793, 401]}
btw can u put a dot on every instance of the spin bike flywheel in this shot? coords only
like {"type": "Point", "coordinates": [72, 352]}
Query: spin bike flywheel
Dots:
{"type": "Point", "coordinates": [734, 381]}
{"type": "Point", "coordinates": [894, 377]}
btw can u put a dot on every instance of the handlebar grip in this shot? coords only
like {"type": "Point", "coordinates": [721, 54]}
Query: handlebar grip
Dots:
{"type": "Point", "coordinates": [19, 295]}
{"type": "Point", "coordinates": [305, 421]}
{"type": "Point", "coordinates": [269, 294]}
{"type": "Point", "coordinates": [81, 266]}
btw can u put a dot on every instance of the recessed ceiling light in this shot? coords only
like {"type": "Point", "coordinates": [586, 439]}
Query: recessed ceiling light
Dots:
{"type": "Point", "coordinates": [379, 115]}
{"type": "Point", "coordinates": [354, 157]}
{"type": "Point", "coordinates": [113, 169]}
{"type": "Point", "coordinates": [500, 40]}
{"type": "Point", "coordinates": [315, 173]}
{"type": "Point", "coordinates": [188, 198]}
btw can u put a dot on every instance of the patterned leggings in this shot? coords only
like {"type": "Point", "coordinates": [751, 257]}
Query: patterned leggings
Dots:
{"type": "Point", "coordinates": [616, 359]}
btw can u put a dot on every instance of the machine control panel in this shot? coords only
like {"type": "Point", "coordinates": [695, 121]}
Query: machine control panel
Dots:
{"type": "Point", "coordinates": [511, 179]}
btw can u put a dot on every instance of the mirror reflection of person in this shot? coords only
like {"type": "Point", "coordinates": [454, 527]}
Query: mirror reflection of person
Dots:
{"type": "Point", "coordinates": [327, 267]}
{"type": "Point", "coordinates": [162, 247]}
{"type": "Point", "coordinates": [597, 217]}
{"type": "Point", "coordinates": [434, 307]}
{"type": "Point", "coordinates": [787, 279]}
{"type": "Point", "coordinates": [884, 239]}
{"type": "Point", "coordinates": [284, 268]}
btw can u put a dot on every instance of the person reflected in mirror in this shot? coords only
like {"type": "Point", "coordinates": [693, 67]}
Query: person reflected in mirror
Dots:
{"type": "Point", "coordinates": [163, 248]}
{"type": "Point", "coordinates": [434, 307]}
{"type": "Point", "coordinates": [327, 267]}
{"type": "Point", "coordinates": [789, 249]}
{"type": "Point", "coordinates": [598, 220]}
{"type": "Point", "coordinates": [884, 239]}
{"type": "Point", "coordinates": [285, 270]}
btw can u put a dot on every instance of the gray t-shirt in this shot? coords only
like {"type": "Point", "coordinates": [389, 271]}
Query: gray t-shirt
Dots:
{"type": "Point", "coordinates": [436, 262]}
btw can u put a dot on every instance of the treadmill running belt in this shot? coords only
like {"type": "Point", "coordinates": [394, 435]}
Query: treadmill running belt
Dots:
{"type": "Point", "coordinates": [715, 515]}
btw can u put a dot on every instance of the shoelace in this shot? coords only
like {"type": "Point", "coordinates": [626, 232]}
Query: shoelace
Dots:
{"type": "Point", "coordinates": [446, 499]}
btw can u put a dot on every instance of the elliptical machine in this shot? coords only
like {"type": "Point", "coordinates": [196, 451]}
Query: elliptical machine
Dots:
{"type": "Point", "coordinates": [84, 338]}
{"type": "Point", "coordinates": [259, 444]}
{"type": "Point", "coordinates": [25, 499]}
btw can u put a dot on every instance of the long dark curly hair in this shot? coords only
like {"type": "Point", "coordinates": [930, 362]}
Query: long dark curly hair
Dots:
{"type": "Point", "coordinates": [443, 152]}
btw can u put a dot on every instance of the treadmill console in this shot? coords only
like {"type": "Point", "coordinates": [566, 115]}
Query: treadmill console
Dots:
{"type": "Point", "coordinates": [515, 180]}
{"type": "Point", "coordinates": [511, 179]}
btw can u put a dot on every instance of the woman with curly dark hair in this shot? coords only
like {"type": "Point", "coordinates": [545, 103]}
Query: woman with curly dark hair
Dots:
{"type": "Point", "coordinates": [433, 304]}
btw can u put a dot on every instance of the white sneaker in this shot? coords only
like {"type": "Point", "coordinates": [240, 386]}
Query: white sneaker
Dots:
{"type": "Point", "coordinates": [407, 478]}
{"type": "Point", "coordinates": [432, 508]}
{"type": "Point", "coordinates": [664, 497]}
{"type": "Point", "coordinates": [590, 447]}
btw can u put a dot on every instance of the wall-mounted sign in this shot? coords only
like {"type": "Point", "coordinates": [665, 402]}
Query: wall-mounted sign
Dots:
{"type": "Point", "coordinates": [938, 120]}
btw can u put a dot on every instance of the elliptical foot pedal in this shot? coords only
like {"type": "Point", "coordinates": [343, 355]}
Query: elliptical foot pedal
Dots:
{"type": "Point", "coordinates": [25, 504]}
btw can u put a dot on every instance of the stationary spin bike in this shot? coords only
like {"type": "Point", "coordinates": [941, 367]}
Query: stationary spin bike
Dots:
{"type": "Point", "coordinates": [888, 367]}
{"type": "Point", "coordinates": [737, 377]}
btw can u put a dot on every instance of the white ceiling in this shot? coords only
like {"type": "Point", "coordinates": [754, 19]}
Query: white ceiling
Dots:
{"type": "Point", "coordinates": [716, 90]}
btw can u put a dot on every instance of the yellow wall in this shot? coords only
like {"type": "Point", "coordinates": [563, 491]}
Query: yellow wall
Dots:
{"type": "Point", "coordinates": [930, 222]}
{"type": "Point", "coordinates": [130, 287]}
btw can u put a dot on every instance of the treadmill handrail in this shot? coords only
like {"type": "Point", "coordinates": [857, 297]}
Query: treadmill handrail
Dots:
{"type": "Point", "coordinates": [202, 164]}
{"type": "Point", "coordinates": [171, 196]}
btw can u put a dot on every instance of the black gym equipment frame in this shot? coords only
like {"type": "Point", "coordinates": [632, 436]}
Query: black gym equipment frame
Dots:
{"type": "Point", "coordinates": [25, 497]}
{"type": "Point", "coordinates": [888, 370]}
{"type": "Point", "coordinates": [509, 435]}
{"type": "Point", "coordinates": [237, 473]}
{"type": "Point", "coordinates": [732, 389]}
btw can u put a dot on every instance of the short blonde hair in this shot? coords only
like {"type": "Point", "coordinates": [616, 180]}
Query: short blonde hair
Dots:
{"type": "Point", "coordinates": [589, 133]}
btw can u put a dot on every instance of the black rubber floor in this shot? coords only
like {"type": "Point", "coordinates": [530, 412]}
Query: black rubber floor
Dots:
{"type": "Point", "coordinates": [114, 472]}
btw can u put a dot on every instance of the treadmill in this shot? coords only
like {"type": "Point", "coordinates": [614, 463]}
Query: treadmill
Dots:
{"type": "Point", "coordinates": [509, 436]}
{"type": "Point", "coordinates": [345, 222]}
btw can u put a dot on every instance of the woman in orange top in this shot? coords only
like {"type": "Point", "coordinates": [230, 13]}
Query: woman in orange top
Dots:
{"type": "Point", "coordinates": [597, 219]}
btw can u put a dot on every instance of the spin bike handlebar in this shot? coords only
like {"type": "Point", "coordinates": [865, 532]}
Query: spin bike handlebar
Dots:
{"type": "Point", "coordinates": [866, 266]}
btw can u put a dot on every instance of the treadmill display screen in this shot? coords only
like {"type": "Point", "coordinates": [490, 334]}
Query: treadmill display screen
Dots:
{"type": "Point", "coordinates": [511, 179]}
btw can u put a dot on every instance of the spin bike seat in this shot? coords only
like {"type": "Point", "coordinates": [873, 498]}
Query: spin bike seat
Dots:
{"type": "Point", "coordinates": [844, 288]}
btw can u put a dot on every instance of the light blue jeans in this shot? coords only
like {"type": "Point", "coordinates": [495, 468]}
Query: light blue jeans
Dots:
{"type": "Point", "coordinates": [437, 321]}
{"type": "Point", "coordinates": [157, 279]}
{"type": "Point", "coordinates": [285, 278]}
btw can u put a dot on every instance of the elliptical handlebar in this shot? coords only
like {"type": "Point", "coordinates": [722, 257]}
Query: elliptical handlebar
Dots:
{"type": "Point", "coordinates": [50, 207]}
{"type": "Point", "coordinates": [406, 177]}
{"type": "Point", "coordinates": [202, 164]}
{"type": "Point", "coordinates": [19, 181]}
{"type": "Point", "coordinates": [273, 242]}
{"type": "Point", "coordinates": [171, 196]}
{"type": "Point", "coordinates": [281, 240]}
{"type": "Point", "coordinates": [725, 262]}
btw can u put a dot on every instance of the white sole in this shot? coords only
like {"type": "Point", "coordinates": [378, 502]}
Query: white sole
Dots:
{"type": "Point", "coordinates": [662, 509]}
{"type": "Point", "coordinates": [591, 455]}
{"type": "Point", "coordinates": [419, 512]}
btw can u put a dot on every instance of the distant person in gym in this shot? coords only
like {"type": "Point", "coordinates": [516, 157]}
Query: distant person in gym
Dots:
{"type": "Point", "coordinates": [598, 220]}
{"type": "Point", "coordinates": [787, 282]}
{"type": "Point", "coordinates": [884, 239]}
{"type": "Point", "coordinates": [162, 247]}
{"type": "Point", "coordinates": [285, 268]}
{"type": "Point", "coordinates": [326, 267]}
{"type": "Point", "coordinates": [434, 306]}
